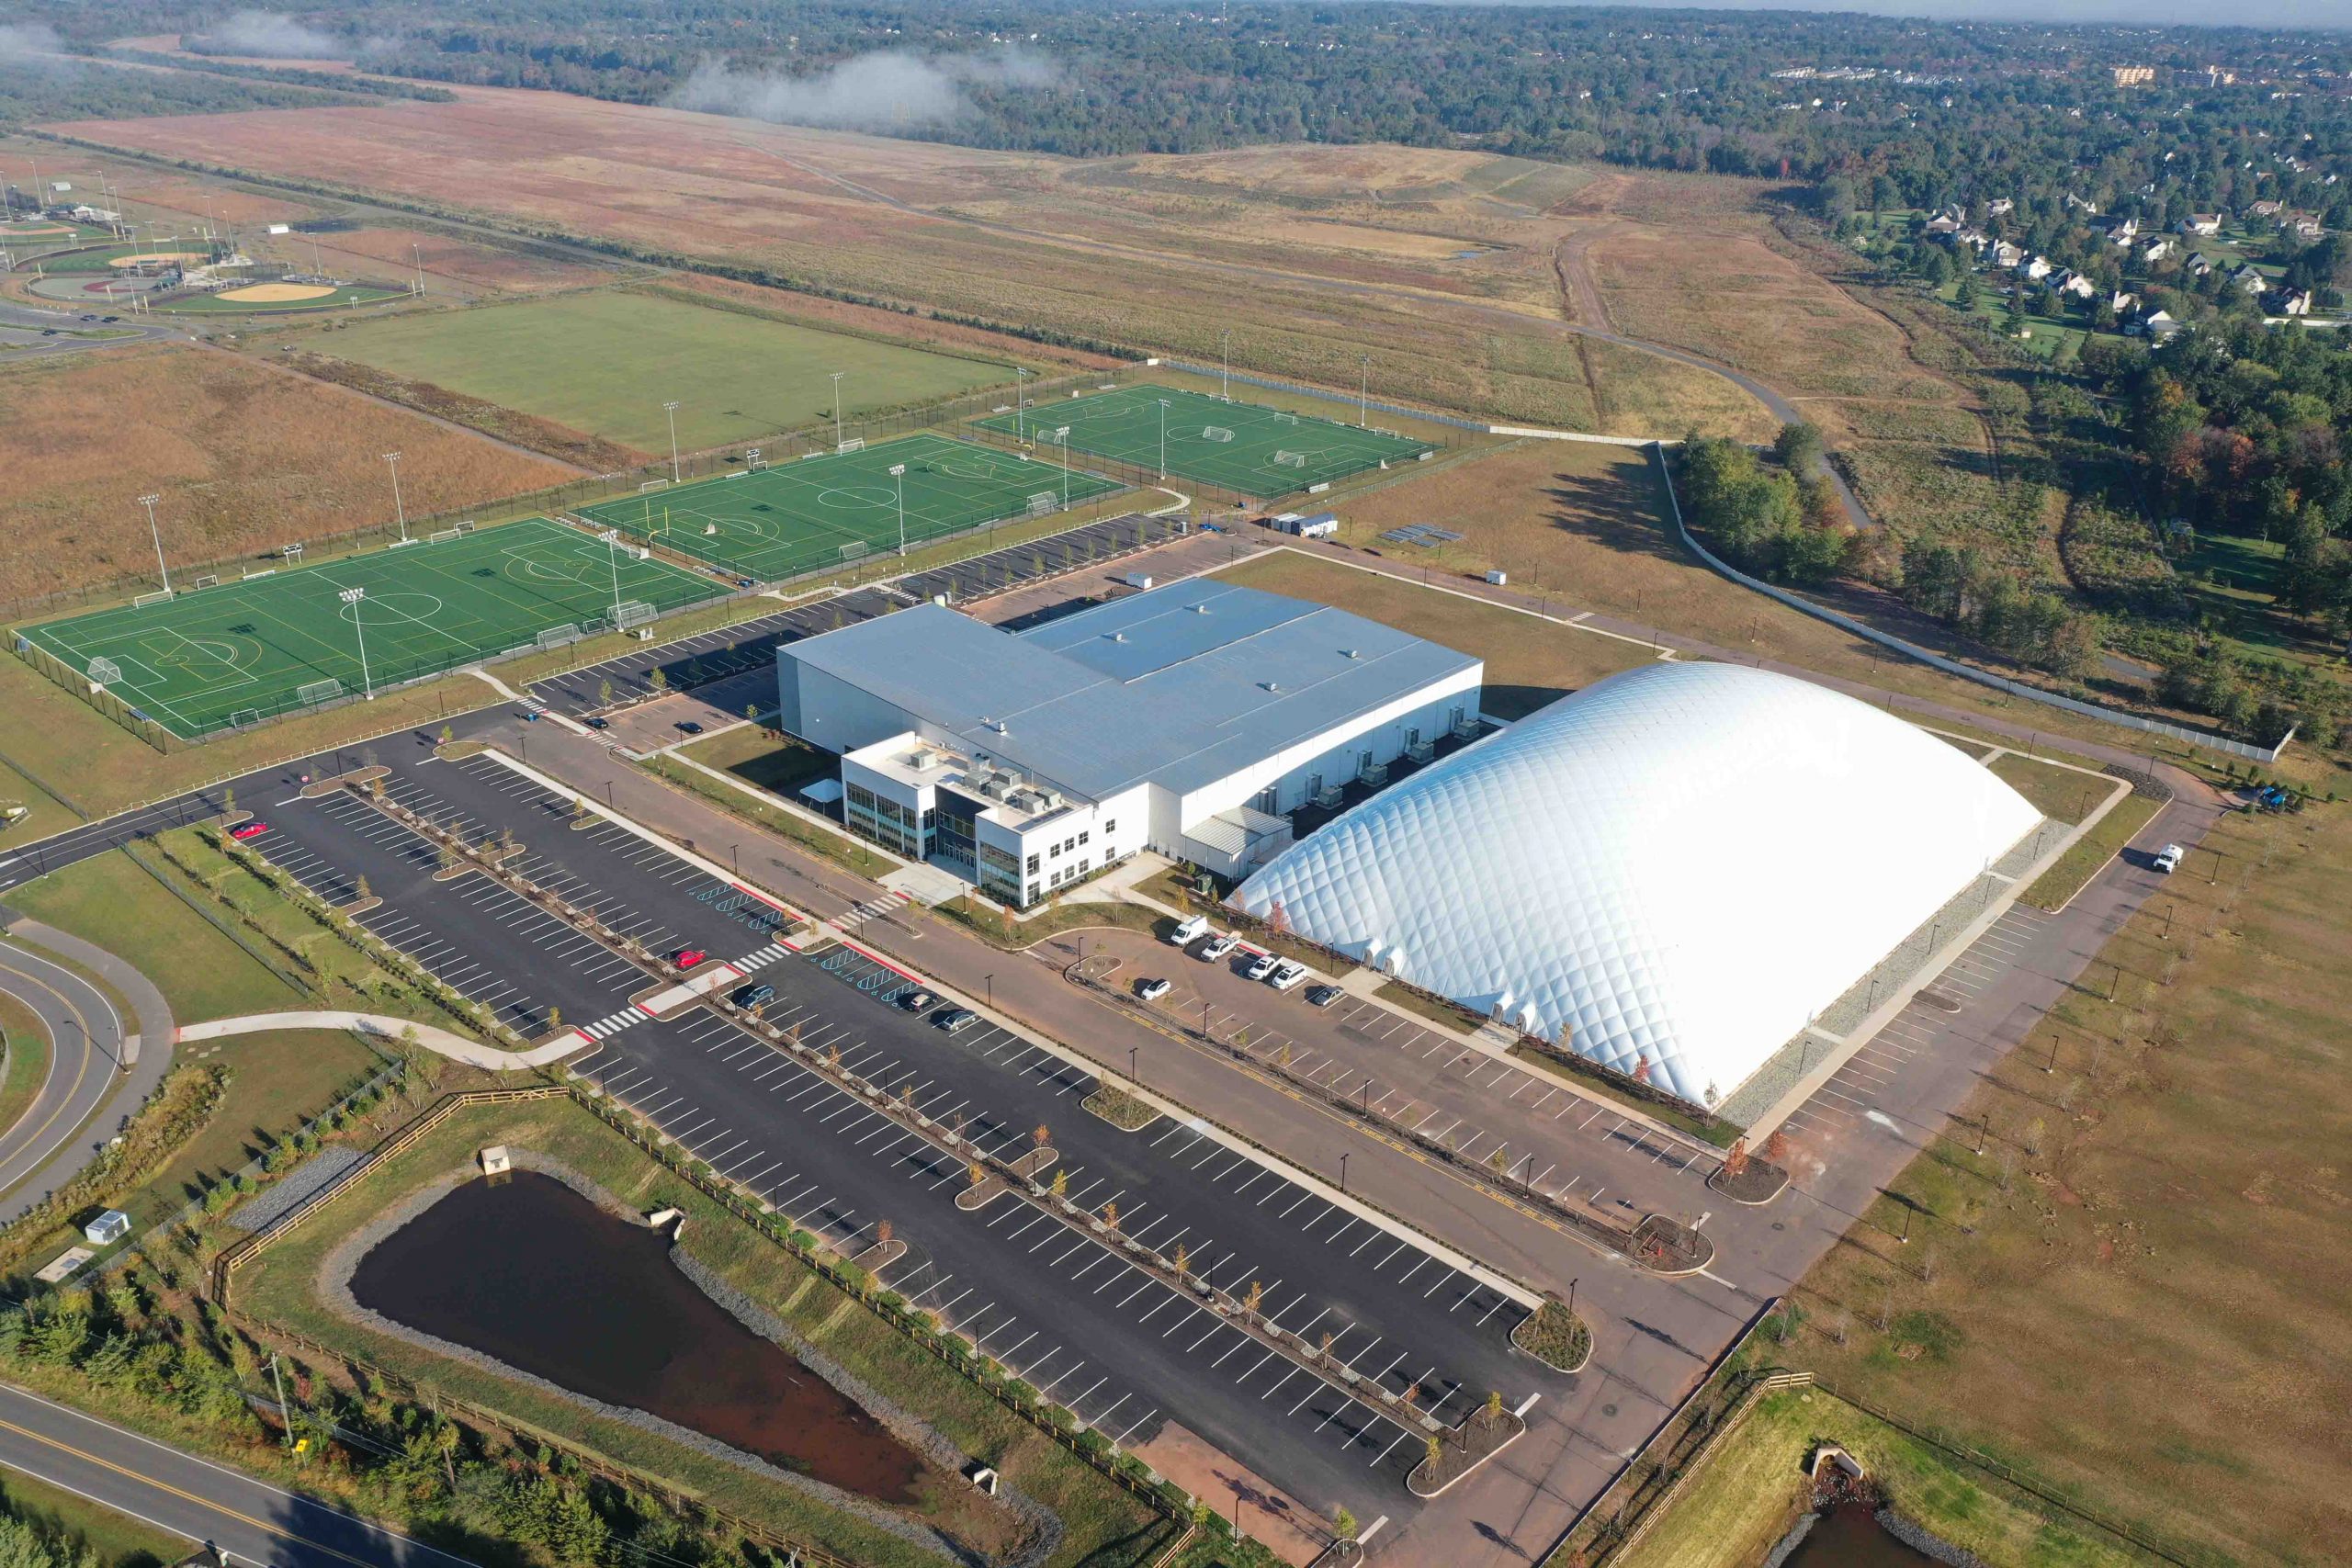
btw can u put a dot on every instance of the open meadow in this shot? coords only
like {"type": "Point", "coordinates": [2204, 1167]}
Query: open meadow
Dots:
{"type": "Point", "coordinates": [605, 362]}
{"type": "Point", "coordinates": [245, 457]}
{"type": "Point", "coordinates": [2138, 1292]}
{"type": "Point", "coordinates": [1454, 300]}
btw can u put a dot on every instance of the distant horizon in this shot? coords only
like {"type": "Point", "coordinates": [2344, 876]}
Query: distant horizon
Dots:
{"type": "Point", "coordinates": [2266, 14]}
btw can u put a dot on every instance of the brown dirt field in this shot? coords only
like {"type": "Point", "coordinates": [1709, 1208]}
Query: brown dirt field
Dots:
{"type": "Point", "coordinates": [2156, 1310]}
{"type": "Point", "coordinates": [276, 293]}
{"type": "Point", "coordinates": [465, 262]}
{"type": "Point", "coordinates": [192, 197]}
{"type": "Point", "coordinates": [246, 457]}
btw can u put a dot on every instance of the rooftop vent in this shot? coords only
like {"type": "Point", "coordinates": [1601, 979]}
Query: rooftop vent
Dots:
{"type": "Point", "coordinates": [1351, 653]}
{"type": "Point", "coordinates": [1271, 685]}
{"type": "Point", "coordinates": [1118, 636]}
{"type": "Point", "coordinates": [1200, 609]}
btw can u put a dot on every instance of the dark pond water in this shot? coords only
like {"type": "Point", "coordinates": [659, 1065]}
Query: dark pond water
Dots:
{"type": "Point", "coordinates": [1847, 1535]}
{"type": "Point", "coordinates": [524, 1269]}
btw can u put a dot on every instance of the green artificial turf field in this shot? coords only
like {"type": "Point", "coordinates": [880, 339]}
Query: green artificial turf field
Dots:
{"type": "Point", "coordinates": [822, 511]}
{"type": "Point", "coordinates": [1244, 448]}
{"type": "Point", "coordinates": [236, 652]}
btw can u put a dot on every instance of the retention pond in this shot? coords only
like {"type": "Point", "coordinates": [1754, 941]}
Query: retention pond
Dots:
{"type": "Point", "coordinates": [523, 1268]}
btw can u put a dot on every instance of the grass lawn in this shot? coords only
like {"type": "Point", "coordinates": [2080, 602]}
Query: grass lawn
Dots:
{"type": "Point", "coordinates": [834, 845]}
{"type": "Point", "coordinates": [1106, 1527]}
{"type": "Point", "coordinates": [1530, 663]}
{"type": "Point", "coordinates": [2140, 1293]}
{"type": "Point", "coordinates": [277, 1081]}
{"type": "Point", "coordinates": [2055, 339]}
{"type": "Point", "coordinates": [2084, 858]}
{"type": "Point", "coordinates": [116, 1540]}
{"type": "Point", "coordinates": [604, 362]}
{"type": "Point", "coordinates": [44, 812]}
{"type": "Point", "coordinates": [30, 1049]}
{"type": "Point", "coordinates": [780, 767]}
{"type": "Point", "coordinates": [108, 900]}
{"type": "Point", "coordinates": [1748, 1487]}
{"type": "Point", "coordinates": [2059, 793]}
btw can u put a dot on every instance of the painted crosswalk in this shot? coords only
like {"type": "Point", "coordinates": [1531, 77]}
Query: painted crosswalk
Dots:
{"type": "Point", "coordinates": [612, 1023]}
{"type": "Point", "coordinates": [766, 955]}
{"type": "Point", "coordinates": [874, 909]}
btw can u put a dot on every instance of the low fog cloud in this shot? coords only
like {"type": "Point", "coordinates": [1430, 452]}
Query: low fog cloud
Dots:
{"type": "Point", "coordinates": [274, 37]}
{"type": "Point", "coordinates": [31, 44]}
{"type": "Point", "coordinates": [891, 91]}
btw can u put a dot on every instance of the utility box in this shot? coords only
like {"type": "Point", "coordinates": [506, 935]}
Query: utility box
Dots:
{"type": "Point", "coordinates": [1497, 579]}
{"type": "Point", "coordinates": [496, 1161]}
{"type": "Point", "coordinates": [109, 1227]}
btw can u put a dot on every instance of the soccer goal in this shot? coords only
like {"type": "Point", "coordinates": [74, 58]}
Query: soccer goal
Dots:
{"type": "Point", "coordinates": [440, 535]}
{"type": "Point", "coordinates": [558, 637]}
{"type": "Point", "coordinates": [313, 693]}
{"type": "Point", "coordinates": [209, 582]}
{"type": "Point", "coordinates": [1282, 418]}
{"type": "Point", "coordinates": [1044, 502]}
{"type": "Point", "coordinates": [853, 549]}
{"type": "Point", "coordinates": [1215, 432]}
{"type": "Point", "coordinates": [105, 671]}
{"type": "Point", "coordinates": [632, 613]}
{"type": "Point", "coordinates": [855, 444]}
{"type": "Point", "coordinates": [266, 571]}
{"type": "Point", "coordinates": [161, 596]}
{"type": "Point", "coordinates": [244, 718]}
{"type": "Point", "coordinates": [1290, 460]}
{"type": "Point", "coordinates": [463, 528]}
{"type": "Point", "coordinates": [652, 484]}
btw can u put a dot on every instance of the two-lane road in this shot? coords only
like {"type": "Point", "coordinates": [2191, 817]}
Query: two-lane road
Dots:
{"type": "Point", "coordinates": [251, 1521]}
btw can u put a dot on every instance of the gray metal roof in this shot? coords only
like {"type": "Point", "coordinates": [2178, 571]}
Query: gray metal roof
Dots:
{"type": "Point", "coordinates": [1180, 685]}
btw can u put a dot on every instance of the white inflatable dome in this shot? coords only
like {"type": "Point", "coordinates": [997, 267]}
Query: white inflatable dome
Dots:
{"type": "Point", "coordinates": [1683, 862]}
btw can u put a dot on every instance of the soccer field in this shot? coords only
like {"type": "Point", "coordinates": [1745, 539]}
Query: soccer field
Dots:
{"type": "Point", "coordinates": [1245, 448]}
{"type": "Point", "coordinates": [238, 652]}
{"type": "Point", "coordinates": [823, 512]}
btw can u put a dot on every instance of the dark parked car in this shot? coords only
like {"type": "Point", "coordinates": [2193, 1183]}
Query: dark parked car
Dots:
{"type": "Point", "coordinates": [753, 995]}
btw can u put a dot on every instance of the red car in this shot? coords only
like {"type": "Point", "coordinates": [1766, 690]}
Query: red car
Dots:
{"type": "Point", "coordinates": [250, 830]}
{"type": "Point", "coordinates": [687, 957]}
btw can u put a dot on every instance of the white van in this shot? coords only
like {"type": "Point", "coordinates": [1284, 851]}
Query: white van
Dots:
{"type": "Point", "coordinates": [1189, 931]}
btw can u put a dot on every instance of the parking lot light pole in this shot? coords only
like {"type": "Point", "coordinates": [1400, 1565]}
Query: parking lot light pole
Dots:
{"type": "Point", "coordinates": [899, 486]}
{"type": "Point", "coordinates": [1131, 1068]}
{"type": "Point", "coordinates": [989, 982]}
{"type": "Point", "coordinates": [1344, 1172]}
{"type": "Point", "coordinates": [355, 597]}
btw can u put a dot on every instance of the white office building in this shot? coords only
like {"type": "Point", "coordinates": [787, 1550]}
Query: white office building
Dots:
{"type": "Point", "coordinates": [1191, 719]}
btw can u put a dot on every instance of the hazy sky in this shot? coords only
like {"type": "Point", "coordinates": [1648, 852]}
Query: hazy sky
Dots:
{"type": "Point", "coordinates": [2248, 13]}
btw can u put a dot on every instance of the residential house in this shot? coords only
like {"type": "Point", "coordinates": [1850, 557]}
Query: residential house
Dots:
{"type": "Point", "coordinates": [2074, 203]}
{"type": "Point", "coordinates": [2157, 325]}
{"type": "Point", "coordinates": [2292, 302]}
{"type": "Point", "coordinates": [2075, 283]}
{"type": "Point", "coordinates": [2247, 278]}
{"type": "Point", "coordinates": [2121, 301]}
{"type": "Point", "coordinates": [2156, 250]}
{"type": "Point", "coordinates": [2007, 255]}
{"type": "Point", "coordinates": [2204, 225]}
{"type": "Point", "coordinates": [2197, 266]}
{"type": "Point", "coordinates": [2305, 227]}
{"type": "Point", "coordinates": [2265, 209]}
{"type": "Point", "coordinates": [2000, 207]}
{"type": "Point", "coordinates": [1974, 238]}
{"type": "Point", "coordinates": [1939, 227]}
{"type": "Point", "coordinates": [2035, 268]}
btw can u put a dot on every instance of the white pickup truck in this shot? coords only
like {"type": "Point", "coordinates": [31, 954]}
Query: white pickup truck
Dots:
{"type": "Point", "coordinates": [2169, 858]}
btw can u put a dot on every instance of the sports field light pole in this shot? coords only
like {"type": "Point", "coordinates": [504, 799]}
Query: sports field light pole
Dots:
{"type": "Point", "coordinates": [1163, 438]}
{"type": "Point", "coordinates": [400, 508]}
{"type": "Point", "coordinates": [1363, 390]}
{"type": "Point", "coordinates": [899, 484]}
{"type": "Point", "coordinates": [672, 410]}
{"type": "Point", "coordinates": [837, 408]}
{"type": "Point", "coordinates": [1061, 437]}
{"type": "Point", "coordinates": [1020, 404]}
{"type": "Point", "coordinates": [1224, 373]}
{"type": "Point", "coordinates": [355, 597]}
{"type": "Point", "coordinates": [149, 503]}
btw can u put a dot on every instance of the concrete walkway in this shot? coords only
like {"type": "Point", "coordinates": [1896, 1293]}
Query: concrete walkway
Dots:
{"type": "Point", "coordinates": [440, 1042]}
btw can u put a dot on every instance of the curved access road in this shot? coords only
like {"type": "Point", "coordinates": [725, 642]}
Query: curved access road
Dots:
{"type": "Point", "coordinates": [102, 1065]}
{"type": "Point", "coordinates": [254, 1524]}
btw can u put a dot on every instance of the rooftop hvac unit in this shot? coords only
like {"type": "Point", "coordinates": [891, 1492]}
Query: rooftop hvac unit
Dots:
{"type": "Point", "coordinates": [924, 761]}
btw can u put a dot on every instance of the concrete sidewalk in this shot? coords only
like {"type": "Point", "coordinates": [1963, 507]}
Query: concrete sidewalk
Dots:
{"type": "Point", "coordinates": [440, 1042]}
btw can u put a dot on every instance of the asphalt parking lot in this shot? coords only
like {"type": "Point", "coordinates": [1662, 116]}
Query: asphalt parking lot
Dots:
{"type": "Point", "coordinates": [1063, 1310]}
{"type": "Point", "coordinates": [1035, 560]}
{"type": "Point", "coordinates": [706, 657]}
{"type": "Point", "coordinates": [1568, 1144]}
